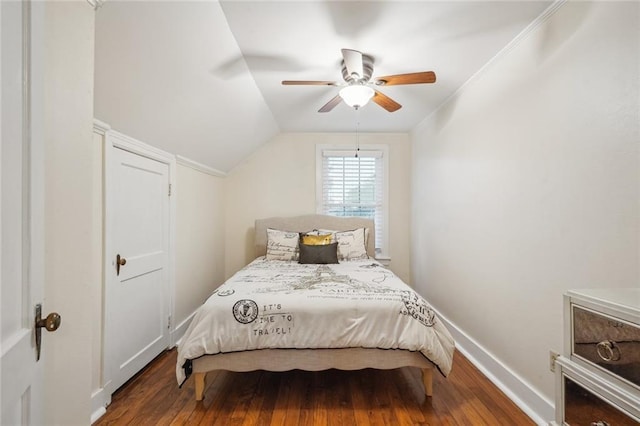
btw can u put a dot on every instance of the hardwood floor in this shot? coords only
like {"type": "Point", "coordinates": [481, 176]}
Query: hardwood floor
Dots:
{"type": "Point", "coordinates": [333, 397]}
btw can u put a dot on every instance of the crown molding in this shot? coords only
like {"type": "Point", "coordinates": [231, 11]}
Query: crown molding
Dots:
{"type": "Point", "coordinates": [100, 127]}
{"type": "Point", "coordinates": [96, 4]}
{"type": "Point", "coordinates": [184, 161]}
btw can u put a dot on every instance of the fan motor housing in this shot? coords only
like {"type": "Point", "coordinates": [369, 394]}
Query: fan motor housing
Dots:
{"type": "Point", "coordinates": [367, 70]}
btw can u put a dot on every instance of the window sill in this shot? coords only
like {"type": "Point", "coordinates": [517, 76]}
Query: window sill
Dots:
{"type": "Point", "coordinates": [384, 259]}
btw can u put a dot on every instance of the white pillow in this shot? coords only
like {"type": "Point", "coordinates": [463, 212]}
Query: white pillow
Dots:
{"type": "Point", "coordinates": [282, 245]}
{"type": "Point", "coordinates": [352, 245]}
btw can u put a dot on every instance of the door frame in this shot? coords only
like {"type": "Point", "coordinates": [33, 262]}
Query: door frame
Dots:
{"type": "Point", "coordinates": [116, 140]}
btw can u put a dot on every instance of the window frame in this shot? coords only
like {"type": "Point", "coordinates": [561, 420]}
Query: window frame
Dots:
{"type": "Point", "coordinates": [383, 251]}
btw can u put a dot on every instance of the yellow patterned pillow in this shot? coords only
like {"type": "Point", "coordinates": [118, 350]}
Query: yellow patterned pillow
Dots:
{"type": "Point", "coordinates": [316, 240]}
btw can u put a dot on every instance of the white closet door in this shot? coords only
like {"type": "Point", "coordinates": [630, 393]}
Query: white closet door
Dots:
{"type": "Point", "coordinates": [137, 293]}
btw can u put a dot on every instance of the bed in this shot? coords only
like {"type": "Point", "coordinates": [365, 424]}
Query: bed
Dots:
{"type": "Point", "coordinates": [280, 315]}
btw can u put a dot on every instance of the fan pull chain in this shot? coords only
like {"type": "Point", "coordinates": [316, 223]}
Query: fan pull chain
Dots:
{"type": "Point", "coordinates": [357, 134]}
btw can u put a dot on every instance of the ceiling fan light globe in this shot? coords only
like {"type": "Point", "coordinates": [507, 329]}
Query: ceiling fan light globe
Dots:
{"type": "Point", "coordinates": [356, 96]}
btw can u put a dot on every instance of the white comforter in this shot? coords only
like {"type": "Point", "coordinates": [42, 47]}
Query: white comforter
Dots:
{"type": "Point", "coordinates": [279, 304]}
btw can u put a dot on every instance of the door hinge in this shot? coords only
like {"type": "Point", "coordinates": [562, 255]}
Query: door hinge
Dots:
{"type": "Point", "coordinates": [169, 190]}
{"type": "Point", "coordinates": [169, 322]}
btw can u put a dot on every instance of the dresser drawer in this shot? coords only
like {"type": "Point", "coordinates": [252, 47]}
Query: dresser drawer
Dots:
{"type": "Point", "coordinates": [583, 407]}
{"type": "Point", "coordinates": [587, 400]}
{"type": "Point", "coordinates": [607, 342]}
{"type": "Point", "coordinates": [603, 334]}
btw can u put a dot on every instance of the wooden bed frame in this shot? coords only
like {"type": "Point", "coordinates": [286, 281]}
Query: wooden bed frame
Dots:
{"type": "Point", "coordinates": [311, 359]}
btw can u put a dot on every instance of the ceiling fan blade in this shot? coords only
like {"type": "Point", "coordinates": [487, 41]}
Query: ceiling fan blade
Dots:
{"type": "Point", "coordinates": [353, 62]}
{"type": "Point", "coordinates": [386, 102]}
{"type": "Point", "coordinates": [307, 83]}
{"type": "Point", "coordinates": [411, 78]}
{"type": "Point", "coordinates": [331, 104]}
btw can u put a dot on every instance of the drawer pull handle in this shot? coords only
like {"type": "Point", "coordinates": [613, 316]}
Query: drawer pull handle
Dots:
{"type": "Point", "coordinates": [599, 423]}
{"type": "Point", "coordinates": [608, 351]}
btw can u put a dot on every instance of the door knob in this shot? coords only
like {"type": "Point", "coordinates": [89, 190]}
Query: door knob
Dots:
{"type": "Point", "coordinates": [50, 323]}
{"type": "Point", "coordinates": [120, 261]}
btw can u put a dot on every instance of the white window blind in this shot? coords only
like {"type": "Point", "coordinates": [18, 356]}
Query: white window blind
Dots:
{"type": "Point", "coordinates": [354, 186]}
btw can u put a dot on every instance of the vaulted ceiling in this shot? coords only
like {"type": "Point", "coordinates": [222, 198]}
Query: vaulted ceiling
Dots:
{"type": "Point", "coordinates": [202, 79]}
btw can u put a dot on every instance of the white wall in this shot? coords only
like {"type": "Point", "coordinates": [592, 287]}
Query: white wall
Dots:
{"type": "Point", "coordinates": [279, 179]}
{"type": "Point", "coordinates": [527, 183]}
{"type": "Point", "coordinates": [70, 245]}
{"type": "Point", "coordinates": [200, 239]}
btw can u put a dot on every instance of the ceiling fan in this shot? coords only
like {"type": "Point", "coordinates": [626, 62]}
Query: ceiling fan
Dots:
{"type": "Point", "coordinates": [358, 87]}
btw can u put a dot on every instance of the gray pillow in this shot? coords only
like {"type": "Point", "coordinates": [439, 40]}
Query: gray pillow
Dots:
{"type": "Point", "coordinates": [323, 254]}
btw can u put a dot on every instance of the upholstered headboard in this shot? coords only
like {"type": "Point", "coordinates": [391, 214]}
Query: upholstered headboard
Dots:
{"type": "Point", "coordinates": [310, 222]}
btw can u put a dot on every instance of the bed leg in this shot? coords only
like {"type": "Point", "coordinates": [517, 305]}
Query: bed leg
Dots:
{"type": "Point", "coordinates": [427, 379]}
{"type": "Point", "coordinates": [200, 383]}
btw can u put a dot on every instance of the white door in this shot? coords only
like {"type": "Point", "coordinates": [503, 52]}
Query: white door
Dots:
{"type": "Point", "coordinates": [137, 291]}
{"type": "Point", "coordinates": [21, 213]}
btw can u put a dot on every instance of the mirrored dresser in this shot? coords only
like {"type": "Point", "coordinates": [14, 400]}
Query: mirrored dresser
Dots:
{"type": "Point", "coordinates": [598, 374]}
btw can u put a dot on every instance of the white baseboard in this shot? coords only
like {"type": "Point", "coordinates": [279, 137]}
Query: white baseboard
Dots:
{"type": "Point", "coordinates": [178, 332]}
{"type": "Point", "coordinates": [534, 405]}
{"type": "Point", "coordinates": [99, 400]}
{"type": "Point", "coordinates": [97, 414]}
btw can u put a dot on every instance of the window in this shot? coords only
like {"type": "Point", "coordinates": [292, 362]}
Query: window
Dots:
{"type": "Point", "coordinates": [354, 186]}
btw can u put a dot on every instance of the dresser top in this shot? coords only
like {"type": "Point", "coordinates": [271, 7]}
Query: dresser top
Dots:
{"type": "Point", "coordinates": [625, 298]}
